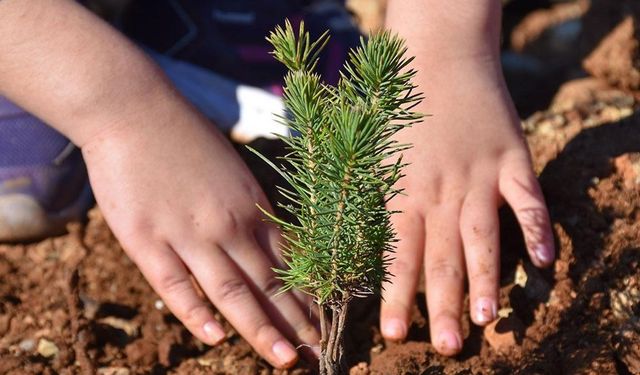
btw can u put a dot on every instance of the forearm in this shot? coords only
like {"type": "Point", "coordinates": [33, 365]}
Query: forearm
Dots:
{"type": "Point", "coordinates": [448, 36]}
{"type": "Point", "coordinates": [74, 71]}
{"type": "Point", "coordinates": [443, 30]}
{"type": "Point", "coordinates": [457, 59]}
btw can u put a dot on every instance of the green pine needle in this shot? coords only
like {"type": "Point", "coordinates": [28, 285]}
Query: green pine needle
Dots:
{"type": "Point", "coordinates": [343, 165]}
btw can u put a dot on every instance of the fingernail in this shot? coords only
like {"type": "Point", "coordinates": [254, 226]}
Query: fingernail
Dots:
{"type": "Point", "coordinates": [285, 353]}
{"type": "Point", "coordinates": [316, 350]}
{"type": "Point", "coordinates": [394, 329]}
{"type": "Point", "coordinates": [449, 342]}
{"type": "Point", "coordinates": [214, 332]}
{"type": "Point", "coordinates": [486, 310]}
{"type": "Point", "coordinates": [544, 253]}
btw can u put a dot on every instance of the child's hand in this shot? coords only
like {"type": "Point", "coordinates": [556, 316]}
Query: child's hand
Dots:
{"type": "Point", "coordinates": [467, 158]}
{"type": "Point", "coordinates": [182, 203]}
{"type": "Point", "coordinates": [174, 192]}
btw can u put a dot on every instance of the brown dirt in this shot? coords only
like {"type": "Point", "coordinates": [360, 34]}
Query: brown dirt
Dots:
{"type": "Point", "coordinates": [76, 304]}
{"type": "Point", "coordinates": [538, 24]}
{"type": "Point", "coordinates": [617, 58]}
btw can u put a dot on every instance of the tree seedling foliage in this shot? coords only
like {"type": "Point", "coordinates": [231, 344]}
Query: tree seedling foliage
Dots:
{"type": "Point", "coordinates": [341, 169]}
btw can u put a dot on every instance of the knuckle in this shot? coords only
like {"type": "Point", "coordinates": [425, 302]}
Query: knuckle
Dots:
{"type": "Point", "coordinates": [173, 284]}
{"type": "Point", "coordinates": [445, 314]}
{"type": "Point", "coordinates": [444, 271]}
{"type": "Point", "coordinates": [482, 232]}
{"type": "Point", "coordinates": [230, 227]}
{"type": "Point", "coordinates": [483, 272]}
{"type": "Point", "coordinates": [271, 288]}
{"type": "Point", "coordinates": [265, 333]}
{"type": "Point", "coordinates": [138, 232]}
{"type": "Point", "coordinates": [230, 224]}
{"type": "Point", "coordinates": [306, 331]}
{"type": "Point", "coordinates": [400, 267]}
{"type": "Point", "coordinates": [232, 290]}
{"type": "Point", "coordinates": [193, 314]}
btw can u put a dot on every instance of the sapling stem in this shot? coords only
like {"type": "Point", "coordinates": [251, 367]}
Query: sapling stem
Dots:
{"type": "Point", "coordinates": [341, 170]}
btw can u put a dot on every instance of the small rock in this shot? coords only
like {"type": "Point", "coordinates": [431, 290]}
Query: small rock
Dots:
{"type": "Point", "coordinates": [361, 368]}
{"type": "Point", "coordinates": [47, 348]}
{"type": "Point", "coordinates": [504, 333]}
{"type": "Point", "coordinates": [27, 345]}
{"type": "Point", "coordinates": [130, 328]}
{"type": "Point", "coordinates": [113, 371]}
{"type": "Point", "coordinates": [377, 349]}
{"type": "Point", "coordinates": [207, 362]}
{"type": "Point", "coordinates": [584, 91]}
{"type": "Point", "coordinates": [90, 306]}
{"type": "Point", "coordinates": [520, 277]}
{"type": "Point", "coordinates": [628, 165]}
{"type": "Point", "coordinates": [615, 57]}
{"type": "Point", "coordinates": [158, 304]}
{"type": "Point", "coordinates": [505, 312]}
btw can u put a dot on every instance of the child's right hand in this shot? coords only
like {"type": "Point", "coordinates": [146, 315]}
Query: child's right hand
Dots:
{"type": "Point", "coordinates": [182, 203]}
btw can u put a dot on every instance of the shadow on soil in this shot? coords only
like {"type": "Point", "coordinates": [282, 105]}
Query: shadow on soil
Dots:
{"type": "Point", "coordinates": [566, 180]}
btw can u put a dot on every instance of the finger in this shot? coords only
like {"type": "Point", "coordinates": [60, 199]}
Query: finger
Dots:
{"type": "Point", "coordinates": [398, 295]}
{"type": "Point", "coordinates": [223, 283]}
{"type": "Point", "coordinates": [479, 229]}
{"type": "Point", "coordinates": [283, 308]}
{"type": "Point", "coordinates": [519, 187]}
{"type": "Point", "coordinates": [444, 273]}
{"type": "Point", "coordinates": [270, 238]}
{"type": "Point", "coordinates": [169, 277]}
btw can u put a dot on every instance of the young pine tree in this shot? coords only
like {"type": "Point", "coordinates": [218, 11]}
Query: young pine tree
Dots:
{"type": "Point", "coordinates": [341, 169]}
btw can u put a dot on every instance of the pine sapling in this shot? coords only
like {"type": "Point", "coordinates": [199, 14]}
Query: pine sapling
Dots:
{"type": "Point", "coordinates": [341, 169]}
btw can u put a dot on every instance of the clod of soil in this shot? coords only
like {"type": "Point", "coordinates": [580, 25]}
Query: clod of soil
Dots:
{"type": "Point", "coordinates": [617, 58]}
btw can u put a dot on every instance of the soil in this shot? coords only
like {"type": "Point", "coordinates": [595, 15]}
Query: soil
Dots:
{"type": "Point", "coordinates": [77, 304]}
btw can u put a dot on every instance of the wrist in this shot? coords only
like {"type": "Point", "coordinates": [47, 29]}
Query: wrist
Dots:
{"type": "Point", "coordinates": [121, 100]}
{"type": "Point", "coordinates": [442, 31]}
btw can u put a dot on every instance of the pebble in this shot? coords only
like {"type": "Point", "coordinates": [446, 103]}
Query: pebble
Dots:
{"type": "Point", "coordinates": [27, 345]}
{"type": "Point", "coordinates": [131, 329]}
{"type": "Point", "coordinates": [377, 349]}
{"type": "Point", "coordinates": [206, 362]}
{"type": "Point", "coordinates": [505, 312]}
{"type": "Point", "coordinates": [47, 348]}
{"type": "Point", "coordinates": [361, 368]}
{"type": "Point", "coordinates": [158, 304]}
{"type": "Point", "coordinates": [520, 277]}
{"type": "Point", "coordinates": [504, 333]}
{"type": "Point", "coordinates": [90, 306]}
{"type": "Point", "coordinates": [628, 165]}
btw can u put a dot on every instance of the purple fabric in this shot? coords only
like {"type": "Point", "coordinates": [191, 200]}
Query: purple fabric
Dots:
{"type": "Point", "coordinates": [228, 36]}
{"type": "Point", "coordinates": [25, 140]}
{"type": "Point", "coordinates": [55, 187]}
{"type": "Point", "coordinates": [38, 161]}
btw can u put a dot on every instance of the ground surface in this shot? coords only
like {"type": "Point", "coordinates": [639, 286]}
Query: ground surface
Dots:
{"type": "Point", "coordinates": [76, 304]}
